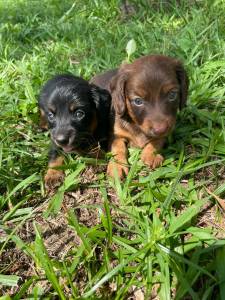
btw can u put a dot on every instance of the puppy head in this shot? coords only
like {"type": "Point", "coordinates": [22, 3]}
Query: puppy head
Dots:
{"type": "Point", "coordinates": [150, 91]}
{"type": "Point", "coordinates": [71, 107]}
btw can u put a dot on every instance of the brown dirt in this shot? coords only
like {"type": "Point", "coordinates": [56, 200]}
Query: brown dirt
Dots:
{"type": "Point", "coordinates": [59, 238]}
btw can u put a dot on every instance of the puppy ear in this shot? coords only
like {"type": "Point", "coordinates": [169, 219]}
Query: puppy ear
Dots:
{"type": "Point", "coordinates": [117, 89]}
{"type": "Point", "coordinates": [184, 83]}
{"type": "Point", "coordinates": [101, 97]}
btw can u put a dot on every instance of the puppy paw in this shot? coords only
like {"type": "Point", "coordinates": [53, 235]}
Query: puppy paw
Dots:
{"type": "Point", "coordinates": [53, 178]}
{"type": "Point", "coordinates": [153, 160]}
{"type": "Point", "coordinates": [116, 168]}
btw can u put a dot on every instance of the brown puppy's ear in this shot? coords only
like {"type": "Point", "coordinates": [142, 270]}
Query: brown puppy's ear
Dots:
{"type": "Point", "coordinates": [117, 89]}
{"type": "Point", "coordinates": [184, 83]}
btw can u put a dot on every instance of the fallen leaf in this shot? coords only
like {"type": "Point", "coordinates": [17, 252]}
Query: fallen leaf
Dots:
{"type": "Point", "coordinates": [221, 201]}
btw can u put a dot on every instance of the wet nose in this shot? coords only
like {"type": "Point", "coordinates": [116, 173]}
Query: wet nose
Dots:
{"type": "Point", "coordinates": [160, 128]}
{"type": "Point", "coordinates": [62, 139]}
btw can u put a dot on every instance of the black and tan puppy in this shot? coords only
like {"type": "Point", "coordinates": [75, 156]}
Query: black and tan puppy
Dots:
{"type": "Point", "coordinates": [146, 96]}
{"type": "Point", "coordinates": [77, 115]}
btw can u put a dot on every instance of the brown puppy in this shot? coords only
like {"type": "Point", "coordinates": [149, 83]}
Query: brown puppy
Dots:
{"type": "Point", "coordinates": [146, 95]}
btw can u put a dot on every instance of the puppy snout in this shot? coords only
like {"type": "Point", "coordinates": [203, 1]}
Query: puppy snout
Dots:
{"type": "Point", "coordinates": [62, 139]}
{"type": "Point", "coordinates": [159, 129]}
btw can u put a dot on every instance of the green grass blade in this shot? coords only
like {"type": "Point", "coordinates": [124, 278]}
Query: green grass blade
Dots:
{"type": "Point", "coordinates": [24, 288]}
{"type": "Point", "coordinates": [181, 258]}
{"type": "Point", "coordinates": [185, 217]}
{"type": "Point", "coordinates": [168, 199]}
{"type": "Point", "coordinates": [108, 216]}
{"type": "Point", "coordinates": [74, 223]}
{"type": "Point", "coordinates": [45, 262]}
{"type": "Point", "coordinates": [9, 280]}
{"type": "Point", "coordinates": [164, 292]}
{"type": "Point", "coordinates": [22, 185]}
{"type": "Point", "coordinates": [115, 271]}
{"type": "Point", "coordinates": [183, 284]}
{"type": "Point", "coordinates": [220, 268]}
{"type": "Point", "coordinates": [56, 201]}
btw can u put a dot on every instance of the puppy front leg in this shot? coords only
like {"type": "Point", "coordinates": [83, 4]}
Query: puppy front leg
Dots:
{"type": "Point", "coordinates": [54, 177]}
{"type": "Point", "coordinates": [119, 165]}
{"type": "Point", "coordinates": [150, 155]}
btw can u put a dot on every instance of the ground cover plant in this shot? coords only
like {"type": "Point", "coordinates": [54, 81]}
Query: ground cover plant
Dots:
{"type": "Point", "coordinates": [159, 234]}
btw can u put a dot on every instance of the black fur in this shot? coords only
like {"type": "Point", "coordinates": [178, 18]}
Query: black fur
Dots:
{"type": "Point", "coordinates": [77, 114]}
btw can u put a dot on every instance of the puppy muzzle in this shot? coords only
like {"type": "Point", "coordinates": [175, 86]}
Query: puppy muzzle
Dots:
{"type": "Point", "coordinates": [64, 138]}
{"type": "Point", "coordinates": [71, 141]}
{"type": "Point", "coordinates": [160, 130]}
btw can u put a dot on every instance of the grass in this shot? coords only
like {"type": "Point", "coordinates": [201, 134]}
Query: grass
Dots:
{"type": "Point", "coordinates": [159, 233]}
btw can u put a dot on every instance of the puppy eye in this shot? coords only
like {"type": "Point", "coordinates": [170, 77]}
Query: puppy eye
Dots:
{"type": "Point", "coordinates": [51, 116]}
{"type": "Point", "coordinates": [172, 95]}
{"type": "Point", "coordinates": [79, 114]}
{"type": "Point", "coordinates": [138, 102]}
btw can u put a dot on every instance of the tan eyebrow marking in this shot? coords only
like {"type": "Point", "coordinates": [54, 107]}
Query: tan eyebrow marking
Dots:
{"type": "Point", "coordinates": [51, 108]}
{"type": "Point", "coordinates": [72, 106]}
{"type": "Point", "coordinates": [167, 88]}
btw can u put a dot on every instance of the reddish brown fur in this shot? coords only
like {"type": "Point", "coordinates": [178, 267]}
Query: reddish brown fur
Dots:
{"type": "Point", "coordinates": [43, 121]}
{"type": "Point", "coordinates": [54, 176]}
{"type": "Point", "coordinates": [152, 78]}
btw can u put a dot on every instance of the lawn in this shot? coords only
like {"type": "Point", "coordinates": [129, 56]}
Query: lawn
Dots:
{"type": "Point", "coordinates": [157, 235]}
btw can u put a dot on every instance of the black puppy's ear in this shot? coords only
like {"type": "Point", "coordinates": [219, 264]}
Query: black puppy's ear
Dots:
{"type": "Point", "coordinates": [184, 83]}
{"type": "Point", "coordinates": [101, 97]}
{"type": "Point", "coordinates": [117, 89]}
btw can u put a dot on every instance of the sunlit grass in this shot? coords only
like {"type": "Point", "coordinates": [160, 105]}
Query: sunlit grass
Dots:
{"type": "Point", "coordinates": [152, 235]}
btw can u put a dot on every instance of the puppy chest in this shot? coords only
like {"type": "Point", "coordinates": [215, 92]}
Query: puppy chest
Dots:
{"type": "Point", "coordinates": [134, 137]}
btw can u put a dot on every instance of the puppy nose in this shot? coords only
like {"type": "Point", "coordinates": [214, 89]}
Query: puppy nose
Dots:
{"type": "Point", "coordinates": [160, 128]}
{"type": "Point", "coordinates": [62, 139]}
